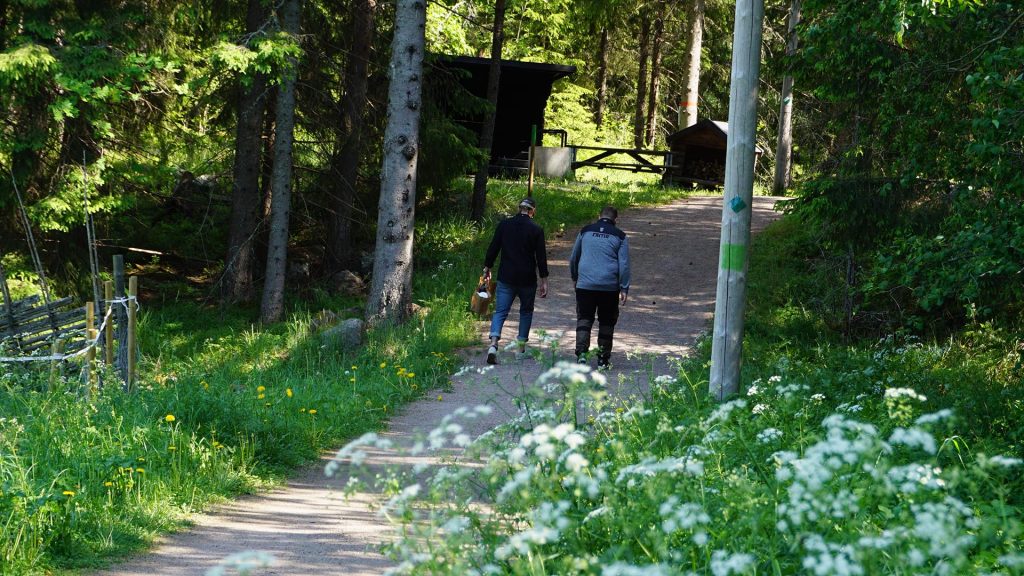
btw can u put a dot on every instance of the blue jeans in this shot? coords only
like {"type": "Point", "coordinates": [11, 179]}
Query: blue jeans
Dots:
{"type": "Point", "coordinates": [506, 293]}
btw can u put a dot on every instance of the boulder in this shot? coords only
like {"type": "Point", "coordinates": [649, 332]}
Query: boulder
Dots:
{"type": "Point", "coordinates": [345, 335]}
{"type": "Point", "coordinates": [348, 283]}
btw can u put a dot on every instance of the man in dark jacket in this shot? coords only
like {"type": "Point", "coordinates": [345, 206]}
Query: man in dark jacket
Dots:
{"type": "Point", "coordinates": [520, 241]}
{"type": "Point", "coordinates": [599, 265]}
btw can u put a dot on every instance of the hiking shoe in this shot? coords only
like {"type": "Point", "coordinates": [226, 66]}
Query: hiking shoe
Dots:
{"type": "Point", "coordinates": [492, 355]}
{"type": "Point", "coordinates": [603, 364]}
{"type": "Point", "coordinates": [582, 359]}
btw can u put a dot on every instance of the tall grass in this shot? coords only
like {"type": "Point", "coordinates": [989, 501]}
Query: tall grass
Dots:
{"type": "Point", "coordinates": [226, 406]}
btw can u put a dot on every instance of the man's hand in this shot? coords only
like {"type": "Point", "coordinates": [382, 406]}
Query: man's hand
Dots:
{"type": "Point", "coordinates": [542, 290]}
{"type": "Point", "coordinates": [623, 296]}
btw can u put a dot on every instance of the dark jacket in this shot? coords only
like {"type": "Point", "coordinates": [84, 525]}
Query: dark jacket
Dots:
{"type": "Point", "coordinates": [600, 258]}
{"type": "Point", "coordinates": [521, 244]}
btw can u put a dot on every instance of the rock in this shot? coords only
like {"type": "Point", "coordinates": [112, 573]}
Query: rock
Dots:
{"type": "Point", "coordinates": [346, 335]}
{"type": "Point", "coordinates": [347, 283]}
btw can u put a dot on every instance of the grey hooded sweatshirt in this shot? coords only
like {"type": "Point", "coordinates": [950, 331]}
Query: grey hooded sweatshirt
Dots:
{"type": "Point", "coordinates": [600, 258]}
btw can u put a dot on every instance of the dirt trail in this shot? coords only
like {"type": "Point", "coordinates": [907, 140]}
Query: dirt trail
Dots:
{"type": "Point", "coordinates": [307, 525]}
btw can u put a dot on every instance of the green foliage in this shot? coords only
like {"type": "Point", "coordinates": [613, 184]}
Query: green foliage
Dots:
{"type": "Point", "coordinates": [920, 189]}
{"type": "Point", "coordinates": [448, 146]}
{"type": "Point", "coordinates": [24, 64]}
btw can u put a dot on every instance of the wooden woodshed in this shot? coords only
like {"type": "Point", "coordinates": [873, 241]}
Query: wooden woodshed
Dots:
{"type": "Point", "coordinates": [698, 155]}
{"type": "Point", "coordinates": [522, 97]}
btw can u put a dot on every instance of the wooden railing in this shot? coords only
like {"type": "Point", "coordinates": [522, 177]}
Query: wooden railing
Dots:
{"type": "Point", "coordinates": [640, 161]}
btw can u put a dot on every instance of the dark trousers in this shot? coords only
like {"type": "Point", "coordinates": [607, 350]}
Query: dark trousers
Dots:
{"type": "Point", "coordinates": [606, 307]}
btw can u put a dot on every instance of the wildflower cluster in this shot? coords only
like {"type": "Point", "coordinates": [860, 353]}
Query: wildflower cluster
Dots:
{"type": "Point", "coordinates": [785, 479]}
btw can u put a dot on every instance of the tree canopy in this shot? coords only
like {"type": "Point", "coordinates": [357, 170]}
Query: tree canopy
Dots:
{"type": "Point", "coordinates": [907, 122]}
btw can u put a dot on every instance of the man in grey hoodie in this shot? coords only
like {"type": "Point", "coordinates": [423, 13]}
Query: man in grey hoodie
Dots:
{"type": "Point", "coordinates": [599, 265]}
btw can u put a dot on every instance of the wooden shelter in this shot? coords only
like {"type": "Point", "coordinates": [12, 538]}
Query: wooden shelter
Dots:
{"type": "Point", "coordinates": [522, 97]}
{"type": "Point", "coordinates": [698, 155]}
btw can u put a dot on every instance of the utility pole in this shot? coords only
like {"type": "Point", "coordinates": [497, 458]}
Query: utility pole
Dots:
{"type": "Point", "coordinates": [727, 339]}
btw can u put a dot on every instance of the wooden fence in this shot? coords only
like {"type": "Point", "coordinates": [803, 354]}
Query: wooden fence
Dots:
{"type": "Point", "coordinates": [30, 324]}
{"type": "Point", "coordinates": [73, 332]}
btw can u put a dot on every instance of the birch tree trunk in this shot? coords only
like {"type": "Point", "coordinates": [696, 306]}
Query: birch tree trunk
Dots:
{"type": "Point", "coordinates": [641, 82]}
{"type": "Point", "coordinates": [693, 70]}
{"type": "Point", "coordinates": [390, 295]}
{"type": "Point", "coordinates": [487, 130]}
{"type": "Point", "coordinates": [784, 147]}
{"type": "Point", "coordinates": [281, 181]}
{"type": "Point", "coordinates": [350, 134]}
{"type": "Point", "coordinates": [237, 284]}
{"type": "Point", "coordinates": [654, 96]}
{"type": "Point", "coordinates": [730, 299]}
{"type": "Point", "coordinates": [602, 78]}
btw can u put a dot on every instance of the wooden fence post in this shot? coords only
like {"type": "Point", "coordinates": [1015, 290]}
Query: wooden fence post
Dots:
{"type": "Point", "coordinates": [108, 345]}
{"type": "Point", "coordinates": [55, 364]}
{"type": "Point", "coordinates": [90, 357]}
{"type": "Point", "coordinates": [133, 292]}
{"type": "Point", "coordinates": [121, 313]}
{"type": "Point", "coordinates": [90, 315]}
{"type": "Point", "coordinates": [8, 303]}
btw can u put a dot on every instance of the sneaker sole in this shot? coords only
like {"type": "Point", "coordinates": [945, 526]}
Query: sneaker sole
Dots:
{"type": "Point", "coordinates": [492, 359]}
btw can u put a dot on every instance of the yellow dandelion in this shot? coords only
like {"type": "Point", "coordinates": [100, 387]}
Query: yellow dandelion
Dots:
{"type": "Point", "coordinates": [439, 398]}
{"type": "Point", "coordinates": [288, 392]}
{"type": "Point", "coordinates": [383, 364]}
{"type": "Point", "coordinates": [172, 448]}
{"type": "Point", "coordinates": [267, 404]}
{"type": "Point", "coordinates": [261, 396]}
{"type": "Point", "coordinates": [412, 374]}
{"type": "Point", "coordinates": [353, 367]}
{"type": "Point", "coordinates": [141, 459]}
{"type": "Point", "coordinates": [140, 470]}
{"type": "Point", "coordinates": [352, 379]}
{"type": "Point", "coordinates": [169, 418]}
{"type": "Point", "coordinates": [69, 493]}
{"type": "Point", "coordinates": [108, 484]}
{"type": "Point", "coordinates": [312, 411]}
{"type": "Point", "coordinates": [261, 388]}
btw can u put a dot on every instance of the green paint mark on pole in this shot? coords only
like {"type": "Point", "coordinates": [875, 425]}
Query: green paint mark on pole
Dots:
{"type": "Point", "coordinates": [734, 256]}
{"type": "Point", "coordinates": [533, 134]}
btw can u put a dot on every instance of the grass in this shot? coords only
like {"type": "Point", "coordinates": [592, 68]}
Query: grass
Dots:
{"type": "Point", "coordinates": [226, 406]}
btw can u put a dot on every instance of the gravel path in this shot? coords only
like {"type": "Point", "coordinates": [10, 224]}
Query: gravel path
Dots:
{"type": "Point", "coordinates": [307, 525]}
